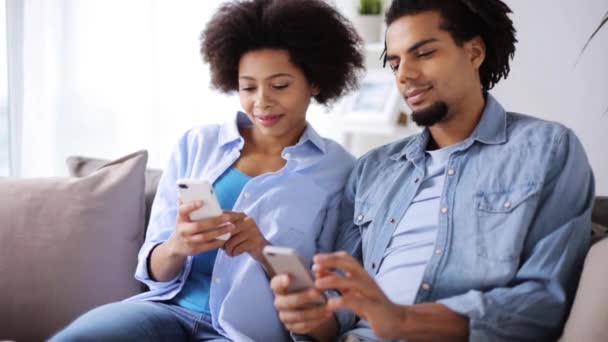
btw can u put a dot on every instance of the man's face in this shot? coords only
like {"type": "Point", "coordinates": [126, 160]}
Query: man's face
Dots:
{"type": "Point", "coordinates": [434, 75]}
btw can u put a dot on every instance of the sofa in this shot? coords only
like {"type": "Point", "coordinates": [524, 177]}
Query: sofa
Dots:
{"type": "Point", "coordinates": [70, 244]}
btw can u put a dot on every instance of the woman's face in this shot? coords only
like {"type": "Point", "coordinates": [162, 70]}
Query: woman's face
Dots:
{"type": "Point", "coordinates": [274, 93]}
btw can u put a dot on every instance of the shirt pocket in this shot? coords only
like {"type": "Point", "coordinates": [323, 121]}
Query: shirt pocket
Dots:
{"type": "Point", "coordinates": [502, 221]}
{"type": "Point", "coordinates": [295, 217]}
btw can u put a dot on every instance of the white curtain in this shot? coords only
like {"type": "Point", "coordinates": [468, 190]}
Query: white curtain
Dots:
{"type": "Point", "coordinates": [105, 78]}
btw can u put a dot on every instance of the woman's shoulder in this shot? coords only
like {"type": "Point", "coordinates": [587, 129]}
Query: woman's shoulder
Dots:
{"type": "Point", "coordinates": [199, 135]}
{"type": "Point", "coordinates": [335, 165]}
{"type": "Point", "coordinates": [334, 150]}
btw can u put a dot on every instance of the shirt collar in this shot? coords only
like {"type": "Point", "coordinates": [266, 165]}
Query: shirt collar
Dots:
{"type": "Point", "coordinates": [491, 130]}
{"type": "Point", "coordinates": [229, 134]}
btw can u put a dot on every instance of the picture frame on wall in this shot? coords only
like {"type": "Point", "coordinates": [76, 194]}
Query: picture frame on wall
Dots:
{"type": "Point", "coordinates": [376, 105]}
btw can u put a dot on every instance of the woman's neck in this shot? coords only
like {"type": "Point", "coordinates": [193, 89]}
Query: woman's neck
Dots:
{"type": "Point", "coordinates": [269, 145]}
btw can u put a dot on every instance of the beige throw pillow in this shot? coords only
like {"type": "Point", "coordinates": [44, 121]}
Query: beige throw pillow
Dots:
{"type": "Point", "coordinates": [68, 245]}
{"type": "Point", "coordinates": [80, 166]}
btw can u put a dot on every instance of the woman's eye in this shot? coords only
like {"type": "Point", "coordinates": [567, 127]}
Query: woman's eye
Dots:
{"type": "Point", "coordinates": [280, 86]}
{"type": "Point", "coordinates": [247, 88]}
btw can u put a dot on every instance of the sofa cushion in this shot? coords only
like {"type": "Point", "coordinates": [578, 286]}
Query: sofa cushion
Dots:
{"type": "Point", "coordinates": [589, 314]}
{"type": "Point", "coordinates": [598, 232]}
{"type": "Point", "coordinates": [80, 166]}
{"type": "Point", "coordinates": [68, 245]}
{"type": "Point", "coordinates": [600, 211]}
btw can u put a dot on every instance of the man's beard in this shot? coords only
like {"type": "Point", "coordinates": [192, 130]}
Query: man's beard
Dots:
{"type": "Point", "coordinates": [431, 115]}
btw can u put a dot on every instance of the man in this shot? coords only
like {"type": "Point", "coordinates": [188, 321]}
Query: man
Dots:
{"type": "Point", "coordinates": [474, 229]}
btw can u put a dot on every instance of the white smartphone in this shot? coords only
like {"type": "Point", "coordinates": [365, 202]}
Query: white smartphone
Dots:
{"type": "Point", "coordinates": [201, 190]}
{"type": "Point", "coordinates": [287, 260]}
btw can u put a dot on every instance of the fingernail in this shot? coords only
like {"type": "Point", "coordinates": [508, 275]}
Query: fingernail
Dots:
{"type": "Point", "coordinates": [333, 302]}
{"type": "Point", "coordinates": [198, 204]}
{"type": "Point", "coordinates": [320, 257]}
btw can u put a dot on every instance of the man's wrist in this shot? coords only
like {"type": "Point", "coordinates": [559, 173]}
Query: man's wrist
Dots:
{"type": "Point", "coordinates": [403, 312]}
{"type": "Point", "coordinates": [327, 331]}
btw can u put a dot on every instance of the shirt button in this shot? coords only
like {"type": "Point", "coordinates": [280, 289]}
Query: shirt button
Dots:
{"type": "Point", "coordinates": [247, 194]}
{"type": "Point", "coordinates": [417, 180]}
{"type": "Point", "coordinates": [392, 220]}
{"type": "Point", "coordinates": [451, 172]}
{"type": "Point", "coordinates": [444, 210]}
{"type": "Point", "coordinates": [507, 204]}
{"type": "Point", "coordinates": [360, 218]}
{"type": "Point", "coordinates": [426, 286]}
{"type": "Point", "coordinates": [438, 251]}
{"type": "Point", "coordinates": [373, 265]}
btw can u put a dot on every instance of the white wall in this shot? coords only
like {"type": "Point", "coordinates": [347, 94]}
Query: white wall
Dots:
{"type": "Point", "coordinates": [546, 81]}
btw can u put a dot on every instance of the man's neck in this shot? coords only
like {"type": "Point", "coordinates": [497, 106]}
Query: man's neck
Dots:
{"type": "Point", "coordinates": [459, 123]}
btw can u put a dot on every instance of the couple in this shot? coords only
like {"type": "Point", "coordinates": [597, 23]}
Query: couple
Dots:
{"type": "Point", "coordinates": [474, 229]}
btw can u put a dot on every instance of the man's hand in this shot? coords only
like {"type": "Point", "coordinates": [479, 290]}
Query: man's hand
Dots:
{"type": "Point", "coordinates": [360, 293]}
{"type": "Point", "coordinates": [297, 313]}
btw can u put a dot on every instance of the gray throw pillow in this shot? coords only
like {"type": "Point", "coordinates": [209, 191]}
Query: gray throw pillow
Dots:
{"type": "Point", "coordinates": [68, 245]}
{"type": "Point", "coordinates": [80, 166]}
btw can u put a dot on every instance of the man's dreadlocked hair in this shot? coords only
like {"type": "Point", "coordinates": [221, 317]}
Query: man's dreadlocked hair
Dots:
{"type": "Point", "coordinates": [465, 20]}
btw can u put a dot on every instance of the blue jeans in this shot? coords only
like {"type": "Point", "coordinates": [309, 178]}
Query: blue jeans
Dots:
{"type": "Point", "coordinates": [140, 321]}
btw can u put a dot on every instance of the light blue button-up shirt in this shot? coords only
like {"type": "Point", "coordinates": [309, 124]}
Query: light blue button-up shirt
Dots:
{"type": "Point", "coordinates": [514, 222]}
{"type": "Point", "coordinates": [296, 206]}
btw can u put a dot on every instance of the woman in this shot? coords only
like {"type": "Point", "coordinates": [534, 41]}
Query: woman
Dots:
{"type": "Point", "coordinates": [277, 179]}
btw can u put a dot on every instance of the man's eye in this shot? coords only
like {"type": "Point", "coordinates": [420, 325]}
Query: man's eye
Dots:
{"type": "Point", "coordinates": [394, 67]}
{"type": "Point", "coordinates": [425, 54]}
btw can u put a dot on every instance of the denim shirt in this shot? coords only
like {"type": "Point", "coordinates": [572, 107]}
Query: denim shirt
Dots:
{"type": "Point", "coordinates": [514, 222]}
{"type": "Point", "coordinates": [296, 206]}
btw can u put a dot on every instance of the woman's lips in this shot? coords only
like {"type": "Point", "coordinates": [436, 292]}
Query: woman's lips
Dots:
{"type": "Point", "coordinates": [269, 120]}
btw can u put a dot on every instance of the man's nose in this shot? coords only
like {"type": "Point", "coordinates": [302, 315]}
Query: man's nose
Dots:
{"type": "Point", "coordinates": [407, 71]}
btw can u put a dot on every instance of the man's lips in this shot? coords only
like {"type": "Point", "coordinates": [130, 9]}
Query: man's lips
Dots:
{"type": "Point", "coordinates": [415, 95]}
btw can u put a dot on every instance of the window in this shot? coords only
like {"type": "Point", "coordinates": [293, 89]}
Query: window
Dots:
{"type": "Point", "coordinates": [5, 165]}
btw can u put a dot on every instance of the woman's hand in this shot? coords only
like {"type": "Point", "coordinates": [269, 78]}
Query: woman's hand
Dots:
{"type": "Point", "coordinates": [246, 238]}
{"type": "Point", "coordinates": [190, 238]}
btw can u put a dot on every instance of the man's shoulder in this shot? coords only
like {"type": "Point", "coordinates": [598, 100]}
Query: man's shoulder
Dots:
{"type": "Point", "coordinates": [533, 129]}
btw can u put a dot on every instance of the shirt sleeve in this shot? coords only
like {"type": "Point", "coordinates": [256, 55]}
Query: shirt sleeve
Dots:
{"type": "Point", "coordinates": [534, 304]}
{"type": "Point", "coordinates": [349, 240]}
{"type": "Point", "coordinates": [163, 214]}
